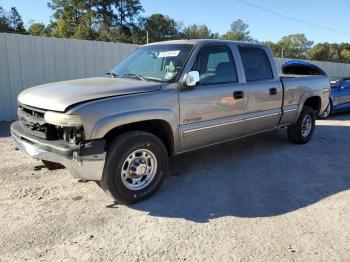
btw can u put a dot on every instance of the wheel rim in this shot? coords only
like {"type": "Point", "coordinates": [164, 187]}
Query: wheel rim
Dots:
{"type": "Point", "coordinates": [306, 126]}
{"type": "Point", "coordinates": [139, 169]}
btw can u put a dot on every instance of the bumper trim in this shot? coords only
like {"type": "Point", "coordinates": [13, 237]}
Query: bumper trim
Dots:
{"type": "Point", "coordinates": [82, 163]}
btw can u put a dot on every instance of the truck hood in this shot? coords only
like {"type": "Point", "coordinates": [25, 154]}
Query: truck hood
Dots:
{"type": "Point", "coordinates": [60, 95]}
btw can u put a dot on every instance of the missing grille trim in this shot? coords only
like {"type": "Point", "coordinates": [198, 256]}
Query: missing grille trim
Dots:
{"type": "Point", "coordinates": [32, 121]}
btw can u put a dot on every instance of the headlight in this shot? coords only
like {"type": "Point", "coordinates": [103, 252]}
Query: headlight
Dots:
{"type": "Point", "coordinates": [60, 119]}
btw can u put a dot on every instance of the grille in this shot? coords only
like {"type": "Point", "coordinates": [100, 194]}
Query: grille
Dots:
{"type": "Point", "coordinates": [32, 121]}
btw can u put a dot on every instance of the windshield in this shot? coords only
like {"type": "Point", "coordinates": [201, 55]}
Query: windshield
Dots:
{"type": "Point", "coordinates": [160, 63]}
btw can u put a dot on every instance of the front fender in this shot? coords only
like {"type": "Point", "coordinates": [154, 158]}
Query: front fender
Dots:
{"type": "Point", "coordinates": [104, 125]}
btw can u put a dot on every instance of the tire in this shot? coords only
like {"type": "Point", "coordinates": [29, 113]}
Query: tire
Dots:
{"type": "Point", "coordinates": [135, 167]}
{"type": "Point", "coordinates": [328, 111]}
{"type": "Point", "coordinates": [302, 131]}
{"type": "Point", "coordinates": [52, 165]}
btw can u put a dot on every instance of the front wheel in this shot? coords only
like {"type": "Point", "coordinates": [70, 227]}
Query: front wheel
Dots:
{"type": "Point", "coordinates": [302, 131]}
{"type": "Point", "coordinates": [135, 167]}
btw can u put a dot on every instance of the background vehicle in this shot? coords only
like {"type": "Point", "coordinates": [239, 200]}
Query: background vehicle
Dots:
{"type": "Point", "coordinates": [164, 99]}
{"type": "Point", "coordinates": [339, 100]}
{"type": "Point", "coordinates": [299, 67]}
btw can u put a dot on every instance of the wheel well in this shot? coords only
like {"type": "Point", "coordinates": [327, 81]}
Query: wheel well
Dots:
{"type": "Point", "coordinates": [159, 128]}
{"type": "Point", "coordinates": [314, 102]}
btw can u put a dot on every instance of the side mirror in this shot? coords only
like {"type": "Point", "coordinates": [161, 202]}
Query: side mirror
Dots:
{"type": "Point", "coordinates": [192, 78]}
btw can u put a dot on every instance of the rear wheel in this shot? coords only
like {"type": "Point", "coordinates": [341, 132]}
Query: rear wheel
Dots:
{"type": "Point", "coordinates": [135, 167]}
{"type": "Point", "coordinates": [302, 131]}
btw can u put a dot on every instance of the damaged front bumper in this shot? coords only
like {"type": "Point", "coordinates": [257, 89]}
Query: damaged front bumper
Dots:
{"type": "Point", "coordinates": [85, 161]}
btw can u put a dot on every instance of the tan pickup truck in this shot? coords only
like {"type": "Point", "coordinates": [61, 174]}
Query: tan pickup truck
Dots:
{"type": "Point", "coordinates": [165, 99]}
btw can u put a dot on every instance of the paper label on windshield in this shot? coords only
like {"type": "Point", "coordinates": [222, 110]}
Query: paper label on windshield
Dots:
{"type": "Point", "coordinates": [169, 53]}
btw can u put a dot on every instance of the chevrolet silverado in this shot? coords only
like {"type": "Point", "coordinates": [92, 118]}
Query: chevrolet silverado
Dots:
{"type": "Point", "coordinates": [166, 98]}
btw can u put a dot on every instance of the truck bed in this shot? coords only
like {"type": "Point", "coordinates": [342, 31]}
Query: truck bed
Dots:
{"type": "Point", "coordinates": [297, 88]}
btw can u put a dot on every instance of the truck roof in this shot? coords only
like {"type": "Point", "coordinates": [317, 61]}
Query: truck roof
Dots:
{"type": "Point", "coordinates": [205, 41]}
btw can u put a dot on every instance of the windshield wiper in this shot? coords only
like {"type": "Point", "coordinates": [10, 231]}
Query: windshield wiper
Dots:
{"type": "Point", "coordinates": [112, 74]}
{"type": "Point", "coordinates": [135, 75]}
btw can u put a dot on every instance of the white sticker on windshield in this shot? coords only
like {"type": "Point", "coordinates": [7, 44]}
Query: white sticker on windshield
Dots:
{"type": "Point", "coordinates": [169, 53]}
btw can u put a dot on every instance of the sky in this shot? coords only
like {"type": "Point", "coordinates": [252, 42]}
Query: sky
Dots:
{"type": "Point", "coordinates": [319, 20]}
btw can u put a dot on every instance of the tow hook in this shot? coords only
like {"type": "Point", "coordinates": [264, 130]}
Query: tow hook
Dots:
{"type": "Point", "coordinates": [76, 158]}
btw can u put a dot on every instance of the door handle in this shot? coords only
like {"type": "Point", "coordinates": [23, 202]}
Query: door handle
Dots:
{"type": "Point", "coordinates": [273, 91]}
{"type": "Point", "coordinates": [238, 95]}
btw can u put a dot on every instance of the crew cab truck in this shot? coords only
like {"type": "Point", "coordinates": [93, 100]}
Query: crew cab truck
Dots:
{"type": "Point", "coordinates": [166, 98]}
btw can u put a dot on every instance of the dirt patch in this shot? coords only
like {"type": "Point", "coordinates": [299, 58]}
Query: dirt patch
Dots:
{"type": "Point", "coordinates": [259, 198]}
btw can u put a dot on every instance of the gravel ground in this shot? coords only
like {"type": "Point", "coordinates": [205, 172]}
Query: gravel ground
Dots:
{"type": "Point", "coordinates": [260, 198]}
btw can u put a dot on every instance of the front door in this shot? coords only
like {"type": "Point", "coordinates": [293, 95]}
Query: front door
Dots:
{"type": "Point", "coordinates": [212, 111]}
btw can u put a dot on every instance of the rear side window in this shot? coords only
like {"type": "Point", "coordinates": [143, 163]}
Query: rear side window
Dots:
{"type": "Point", "coordinates": [256, 64]}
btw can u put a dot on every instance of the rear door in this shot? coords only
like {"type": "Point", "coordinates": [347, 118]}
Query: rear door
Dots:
{"type": "Point", "coordinates": [263, 90]}
{"type": "Point", "coordinates": [209, 113]}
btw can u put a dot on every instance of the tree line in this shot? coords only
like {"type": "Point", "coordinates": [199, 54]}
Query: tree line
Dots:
{"type": "Point", "coordinates": [122, 21]}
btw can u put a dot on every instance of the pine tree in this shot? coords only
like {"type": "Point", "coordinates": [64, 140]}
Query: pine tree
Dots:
{"type": "Point", "coordinates": [15, 21]}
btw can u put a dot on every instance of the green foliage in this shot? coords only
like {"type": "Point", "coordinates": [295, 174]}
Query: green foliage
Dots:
{"type": "Point", "coordinates": [274, 47]}
{"type": "Point", "coordinates": [320, 51]}
{"type": "Point", "coordinates": [106, 20]}
{"type": "Point", "coordinates": [295, 46]}
{"type": "Point", "coordinates": [139, 31]}
{"type": "Point", "coordinates": [72, 18]}
{"type": "Point", "coordinates": [345, 55]}
{"type": "Point", "coordinates": [160, 28]}
{"type": "Point", "coordinates": [38, 29]}
{"type": "Point", "coordinates": [4, 23]}
{"type": "Point", "coordinates": [84, 31]}
{"type": "Point", "coordinates": [126, 12]}
{"type": "Point", "coordinates": [114, 20]}
{"type": "Point", "coordinates": [198, 32]}
{"type": "Point", "coordinates": [330, 52]}
{"type": "Point", "coordinates": [239, 32]}
{"type": "Point", "coordinates": [11, 22]}
{"type": "Point", "coordinates": [120, 21]}
{"type": "Point", "coordinates": [15, 21]}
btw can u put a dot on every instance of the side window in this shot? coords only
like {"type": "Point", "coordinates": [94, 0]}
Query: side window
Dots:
{"type": "Point", "coordinates": [215, 65]}
{"type": "Point", "coordinates": [256, 64]}
{"type": "Point", "coordinates": [346, 83]}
